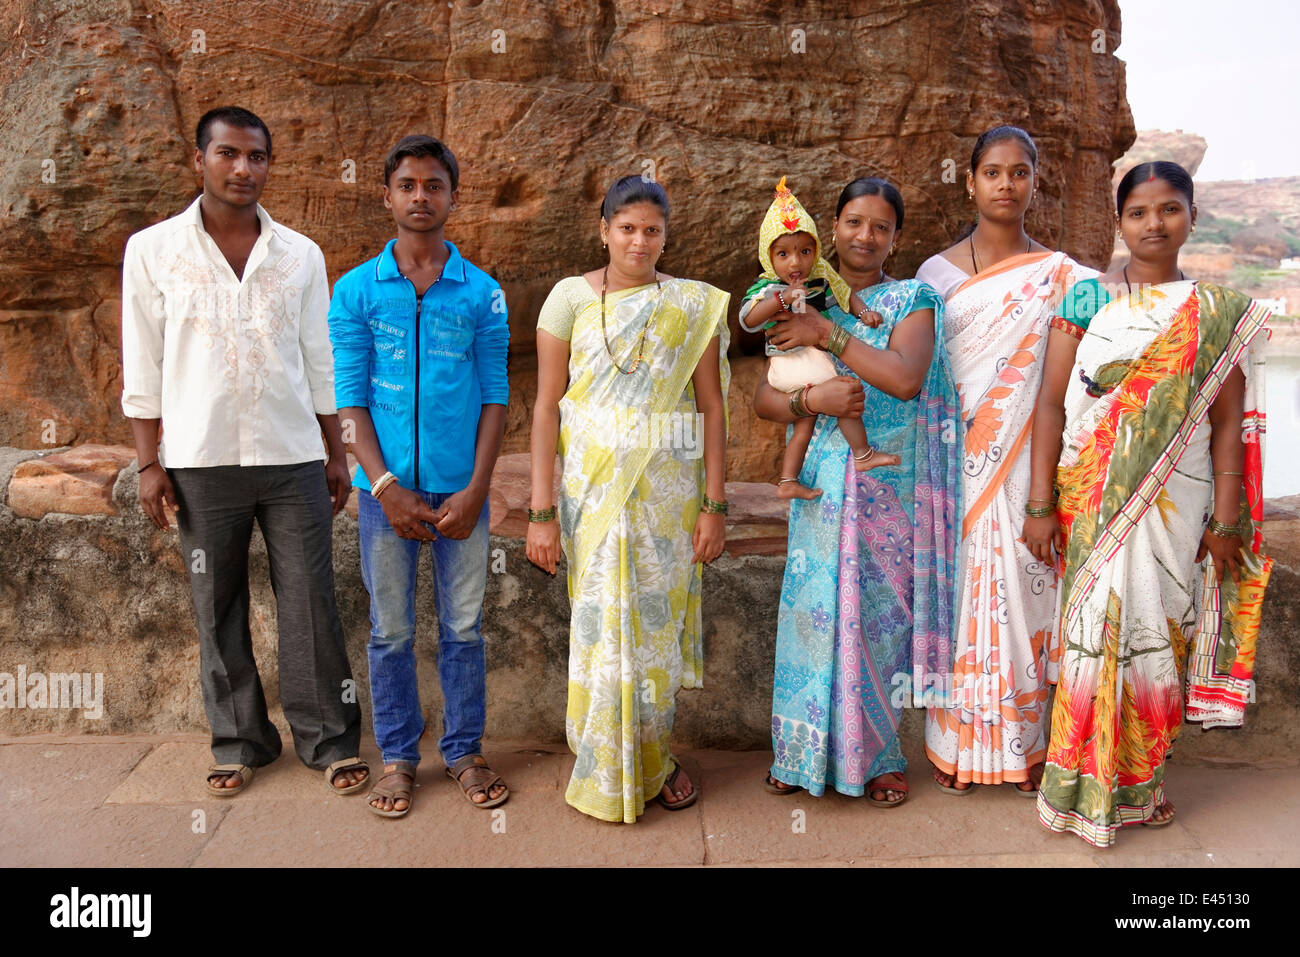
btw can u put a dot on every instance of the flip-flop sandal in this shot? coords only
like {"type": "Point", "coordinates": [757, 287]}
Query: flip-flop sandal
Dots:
{"type": "Point", "coordinates": [245, 775]}
{"type": "Point", "coordinates": [478, 784]}
{"type": "Point", "coordinates": [900, 786]}
{"type": "Point", "coordinates": [685, 802]}
{"type": "Point", "coordinates": [954, 791]}
{"type": "Point", "coordinates": [353, 763]}
{"type": "Point", "coordinates": [1033, 791]}
{"type": "Point", "coordinates": [397, 792]}
{"type": "Point", "coordinates": [769, 783]}
{"type": "Point", "coordinates": [1165, 823]}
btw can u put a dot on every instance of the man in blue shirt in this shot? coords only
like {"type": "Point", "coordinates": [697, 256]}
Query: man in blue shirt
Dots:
{"type": "Point", "coordinates": [420, 339]}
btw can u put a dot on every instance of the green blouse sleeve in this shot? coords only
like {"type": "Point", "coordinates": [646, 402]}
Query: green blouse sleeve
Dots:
{"type": "Point", "coordinates": [568, 298]}
{"type": "Point", "coordinates": [1081, 302]}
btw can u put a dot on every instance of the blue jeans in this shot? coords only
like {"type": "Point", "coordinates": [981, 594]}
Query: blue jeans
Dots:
{"type": "Point", "coordinates": [388, 566]}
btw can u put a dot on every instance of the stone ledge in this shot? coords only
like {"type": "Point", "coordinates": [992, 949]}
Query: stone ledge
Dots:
{"type": "Point", "coordinates": [76, 482]}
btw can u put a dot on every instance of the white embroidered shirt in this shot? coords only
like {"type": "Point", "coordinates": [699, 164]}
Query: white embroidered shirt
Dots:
{"type": "Point", "coordinates": [237, 369]}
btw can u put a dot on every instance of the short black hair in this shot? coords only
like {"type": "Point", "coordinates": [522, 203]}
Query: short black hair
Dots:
{"type": "Point", "coordinates": [418, 144]}
{"type": "Point", "coordinates": [231, 116]}
{"type": "Point", "coordinates": [1171, 173]}
{"type": "Point", "coordinates": [633, 189]}
{"type": "Point", "coordinates": [1001, 134]}
{"type": "Point", "coordinates": [873, 186]}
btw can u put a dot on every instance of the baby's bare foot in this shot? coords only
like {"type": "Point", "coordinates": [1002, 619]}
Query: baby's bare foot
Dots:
{"type": "Point", "coordinates": [874, 459]}
{"type": "Point", "coordinates": [790, 488]}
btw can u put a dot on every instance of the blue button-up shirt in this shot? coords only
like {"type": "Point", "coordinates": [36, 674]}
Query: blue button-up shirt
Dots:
{"type": "Point", "coordinates": [425, 382]}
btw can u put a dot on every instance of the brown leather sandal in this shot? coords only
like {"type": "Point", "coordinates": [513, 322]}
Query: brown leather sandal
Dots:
{"type": "Point", "coordinates": [475, 777]}
{"type": "Point", "coordinates": [401, 774]}
{"type": "Point", "coordinates": [900, 787]}
{"type": "Point", "coordinates": [353, 763]}
{"type": "Point", "coordinates": [224, 772]}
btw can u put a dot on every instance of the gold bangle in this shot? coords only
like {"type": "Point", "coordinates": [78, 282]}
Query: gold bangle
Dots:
{"type": "Point", "coordinates": [803, 399]}
{"type": "Point", "coordinates": [1227, 473]}
{"type": "Point", "coordinates": [713, 507]}
{"type": "Point", "coordinates": [1223, 531]}
{"type": "Point", "coordinates": [541, 514]}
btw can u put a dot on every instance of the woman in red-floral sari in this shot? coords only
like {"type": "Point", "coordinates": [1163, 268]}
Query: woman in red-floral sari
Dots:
{"type": "Point", "coordinates": [1153, 396]}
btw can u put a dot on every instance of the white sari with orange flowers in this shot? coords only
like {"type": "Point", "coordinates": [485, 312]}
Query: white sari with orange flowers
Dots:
{"type": "Point", "coordinates": [988, 727]}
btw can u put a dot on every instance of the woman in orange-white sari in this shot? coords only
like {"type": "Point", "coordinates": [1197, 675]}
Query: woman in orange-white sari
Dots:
{"type": "Point", "coordinates": [1001, 290]}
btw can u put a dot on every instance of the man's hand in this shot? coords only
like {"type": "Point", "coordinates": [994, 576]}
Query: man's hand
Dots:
{"type": "Point", "coordinates": [459, 513]}
{"type": "Point", "coordinates": [407, 513]}
{"type": "Point", "coordinates": [338, 480]}
{"type": "Point", "coordinates": [155, 489]}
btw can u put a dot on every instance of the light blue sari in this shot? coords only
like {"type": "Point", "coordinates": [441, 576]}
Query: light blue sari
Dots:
{"type": "Point", "coordinates": [866, 614]}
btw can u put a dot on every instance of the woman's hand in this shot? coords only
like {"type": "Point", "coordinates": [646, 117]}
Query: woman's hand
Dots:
{"type": "Point", "coordinates": [1042, 535]}
{"type": "Point", "coordinates": [799, 329]}
{"type": "Point", "coordinates": [840, 396]}
{"type": "Point", "coordinates": [710, 536]}
{"type": "Point", "coordinates": [1224, 552]}
{"type": "Point", "coordinates": [542, 545]}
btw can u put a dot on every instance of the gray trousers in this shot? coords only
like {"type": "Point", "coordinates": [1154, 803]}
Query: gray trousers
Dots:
{"type": "Point", "coordinates": [292, 507]}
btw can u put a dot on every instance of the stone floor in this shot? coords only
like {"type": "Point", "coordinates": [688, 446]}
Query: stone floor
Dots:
{"type": "Point", "coordinates": [88, 801]}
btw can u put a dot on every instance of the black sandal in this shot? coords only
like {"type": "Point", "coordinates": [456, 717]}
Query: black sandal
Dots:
{"type": "Point", "coordinates": [684, 802]}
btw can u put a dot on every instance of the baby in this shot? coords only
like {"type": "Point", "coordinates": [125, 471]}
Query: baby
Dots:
{"type": "Point", "coordinates": [794, 274]}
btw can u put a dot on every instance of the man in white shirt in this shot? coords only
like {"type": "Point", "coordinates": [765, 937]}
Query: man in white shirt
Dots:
{"type": "Point", "coordinates": [228, 382]}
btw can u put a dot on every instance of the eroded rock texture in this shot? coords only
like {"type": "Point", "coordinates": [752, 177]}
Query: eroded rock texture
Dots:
{"type": "Point", "coordinates": [544, 105]}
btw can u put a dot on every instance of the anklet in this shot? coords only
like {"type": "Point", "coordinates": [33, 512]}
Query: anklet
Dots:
{"type": "Point", "coordinates": [783, 481]}
{"type": "Point", "coordinates": [865, 456]}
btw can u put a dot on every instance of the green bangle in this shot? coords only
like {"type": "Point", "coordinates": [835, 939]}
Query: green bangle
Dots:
{"type": "Point", "coordinates": [541, 514]}
{"type": "Point", "coordinates": [1045, 511]}
{"type": "Point", "coordinates": [837, 341]}
{"type": "Point", "coordinates": [713, 507]}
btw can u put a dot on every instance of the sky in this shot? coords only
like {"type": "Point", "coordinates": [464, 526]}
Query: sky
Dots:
{"type": "Point", "coordinates": [1224, 69]}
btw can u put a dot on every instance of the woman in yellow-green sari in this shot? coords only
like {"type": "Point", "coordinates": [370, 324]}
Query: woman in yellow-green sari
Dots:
{"type": "Point", "coordinates": [631, 385]}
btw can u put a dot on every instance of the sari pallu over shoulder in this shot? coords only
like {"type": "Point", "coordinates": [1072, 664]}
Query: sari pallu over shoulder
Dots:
{"type": "Point", "coordinates": [1135, 492]}
{"type": "Point", "coordinates": [631, 490]}
{"type": "Point", "coordinates": [684, 316]}
{"type": "Point", "coordinates": [866, 602]}
{"type": "Point", "coordinates": [986, 727]}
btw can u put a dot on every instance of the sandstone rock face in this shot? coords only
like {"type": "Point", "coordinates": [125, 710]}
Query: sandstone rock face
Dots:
{"type": "Point", "coordinates": [544, 104]}
{"type": "Point", "coordinates": [77, 482]}
{"type": "Point", "coordinates": [1185, 149]}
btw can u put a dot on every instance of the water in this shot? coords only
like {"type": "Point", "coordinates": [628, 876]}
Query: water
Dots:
{"type": "Point", "coordinates": [1282, 406]}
